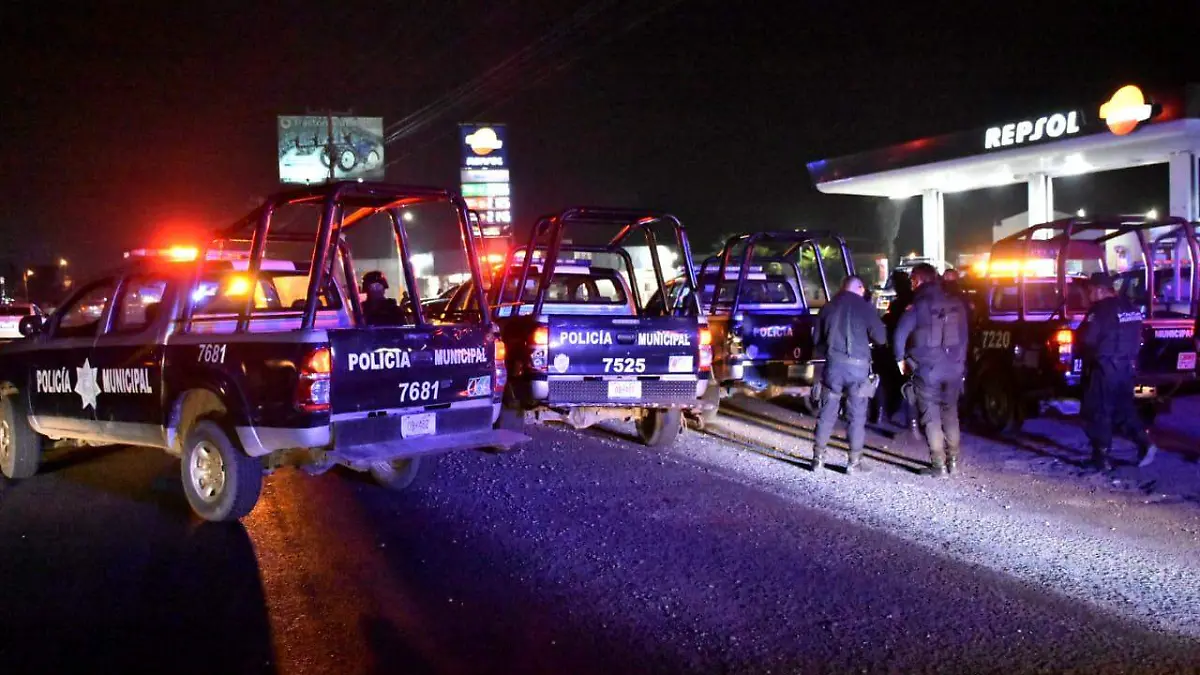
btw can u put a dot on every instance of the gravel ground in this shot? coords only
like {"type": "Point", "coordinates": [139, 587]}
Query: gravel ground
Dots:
{"type": "Point", "coordinates": [587, 553]}
{"type": "Point", "coordinates": [1127, 541]}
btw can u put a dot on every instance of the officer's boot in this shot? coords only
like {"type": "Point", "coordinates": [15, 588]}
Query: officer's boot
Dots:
{"type": "Point", "coordinates": [1146, 455]}
{"type": "Point", "coordinates": [818, 460]}
{"type": "Point", "coordinates": [1100, 461]}
{"type": "Point", "coordinates": [936, 468]}
{"type": "Point", "coordinates": [952, 461]}
{"type": "Point", "coordinates": [855, 463]}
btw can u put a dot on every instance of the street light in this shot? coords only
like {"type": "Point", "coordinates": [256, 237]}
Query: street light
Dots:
{"type": "Point", "coordinates": [1081, 213]}
{"type": "Point", "coordinates": [62, 262]}
{"type": "Point", "coordinates": [1152, 214]}
{"type": "Point", "coordinates": [408, 216]}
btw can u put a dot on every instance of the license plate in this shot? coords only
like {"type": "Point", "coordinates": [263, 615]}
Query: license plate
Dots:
{"type": "Point", "coordinates": [625, 389]}
{"type": "Point", "coordinates": [1186, 361]}
{"type": "Point", "coordinates": [423, 424]}
{"type": "Point", "coordinates": [681, 364]}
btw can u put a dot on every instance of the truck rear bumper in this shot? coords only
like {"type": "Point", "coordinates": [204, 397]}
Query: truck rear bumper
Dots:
{"type": "Point", "coordinates": [667, 391]}
{"type": "Point", "coordinates": [362, 456]}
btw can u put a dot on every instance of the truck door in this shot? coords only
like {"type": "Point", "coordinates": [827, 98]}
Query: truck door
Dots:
{"type": "Point", "coordinates": [64, 382]}
{"type": "Point", "coordinates": [129, 357]}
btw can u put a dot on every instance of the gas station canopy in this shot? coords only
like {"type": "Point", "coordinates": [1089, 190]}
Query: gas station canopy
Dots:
{"type": "Point", "coordinates": [1131, 128]}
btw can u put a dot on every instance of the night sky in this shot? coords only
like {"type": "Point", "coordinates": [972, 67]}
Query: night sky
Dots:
{"type": "Point", "coordinates": [127, 120]}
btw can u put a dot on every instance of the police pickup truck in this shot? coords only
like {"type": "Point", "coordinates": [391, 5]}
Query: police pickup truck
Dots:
{"type": "Point", "coordinates": [761, 315]}
{"type": "Point", "coordinates": [241, 363]}
{"type": "Point", "coordinates": [1024, 357]}
{"type": "Point", "coordinates": [581, 346]}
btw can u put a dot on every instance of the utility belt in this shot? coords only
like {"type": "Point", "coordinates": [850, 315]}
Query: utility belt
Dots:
{"type": "Point", "coordinates": [865, 389]}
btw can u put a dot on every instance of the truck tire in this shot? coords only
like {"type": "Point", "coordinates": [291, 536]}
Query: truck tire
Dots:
{"type": "Point", "coordinates": [402, 474]}
{"type": "Point", "coordinates": [20, 445]}
{"type": "Point", "coordinates": [999, 406]}
{"type": "Point", "coordinates": [659, 428]}
{"type": "Point", "coordinates": [221, 482]}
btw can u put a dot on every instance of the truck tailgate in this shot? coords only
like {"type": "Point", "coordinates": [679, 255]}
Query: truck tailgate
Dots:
{"type": "Point", "coordinates": [605, 345]}
{"type": "Point", "coordinates": [389, 384]}
{"type": "Point", "coordinates": [777, 336]}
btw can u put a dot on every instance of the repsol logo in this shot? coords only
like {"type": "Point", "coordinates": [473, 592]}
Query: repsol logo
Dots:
{"type": "Point", "coordinates": [772, 331]}
{"type": "Point", "coordinates": [1173, 333]}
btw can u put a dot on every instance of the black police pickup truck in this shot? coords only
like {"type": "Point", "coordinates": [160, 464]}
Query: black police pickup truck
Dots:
{"type": "Point", "coordinates": [1024, 358]}
{"type": "Point", "coordinates": [762, 316]}
{"type": "Point", "coordinates": [241, 361]}
{"type": "Point", "coordinates": [582, 347]}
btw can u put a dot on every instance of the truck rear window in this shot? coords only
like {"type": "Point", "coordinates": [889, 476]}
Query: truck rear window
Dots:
{"type": "Point", "coordinates": [1041, 297]}
{"type": "Point", "coordinates": [599, 287]}
{"type": "Point", "coordinates": [275, 291]}
{"type": "Point", "coordinates": [769, 291]}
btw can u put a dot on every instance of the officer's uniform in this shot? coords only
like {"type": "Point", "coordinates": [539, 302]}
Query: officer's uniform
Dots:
{"type": "Point", "coordinates": [1110, 339]}
{"type": "Point", "coordinates": [379, 310]}
{"type": "Point", "coordinates": [843, 333]}
{"type": "Point", "coordinates": [937, 325]}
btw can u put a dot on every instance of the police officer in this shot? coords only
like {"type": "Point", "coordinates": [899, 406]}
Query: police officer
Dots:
{"type": "Point", "coordinates": [844, 331]}
{"type": "Point", "coordinates": [937, 325]}
{"type": "Point", "coordinates": [1110, 338]}
{"type": "Point", "coordinates": [378, 309]}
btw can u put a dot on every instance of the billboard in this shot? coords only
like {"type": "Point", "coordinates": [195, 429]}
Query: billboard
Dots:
{"type": "Point", "coordinates": [304, 156]}
{"type": "Point", "coordinates": [484, 175]}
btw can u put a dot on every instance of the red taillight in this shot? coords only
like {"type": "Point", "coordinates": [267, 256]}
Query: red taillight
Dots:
{"type": "Point", "coordinates": [539, 350]}
{"type": "Point", "coordinates": [706, 350]}
{"type": "Point", "coordinates": [312, 389]}
{"type": "Point", "coordinates": [1064, 337]}
{"type": "Point", "coordinates": [501, 351]}
{"type": "Point", "coordinates": [1062, 343]}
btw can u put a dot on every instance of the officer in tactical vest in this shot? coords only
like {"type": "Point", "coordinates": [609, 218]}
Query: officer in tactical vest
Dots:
{"type": "Point", "coordinates": [843, 333]}
{"type": "Point", "coordinates": [931, 338]}
{"type": "Point", "coordinates": [1110, 338]}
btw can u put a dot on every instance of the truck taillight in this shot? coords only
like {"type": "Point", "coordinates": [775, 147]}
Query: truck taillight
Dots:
{"type": "Point", "coordinates": [539, 348]}
{"type": "Point", "coordinates": [312, 389]}
{"type": "Point", "coordinates": [500, 368]}
{"type": "Point", "coordinates": [706, 350]}
{"type": "Point", "coordinates": [1062, 342]}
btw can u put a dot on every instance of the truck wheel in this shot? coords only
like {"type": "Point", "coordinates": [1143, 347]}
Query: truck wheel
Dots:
{"type": "Point", "coordinates": [998, 406]}
{"type": "Point", "coordinates": [20, 445]}
{"type": "Point", "coordinates": [220, 480]}
{"type": "Point", "coordinates": [401, 474]}
{"type": "Point", "coordinates": [659, 428]}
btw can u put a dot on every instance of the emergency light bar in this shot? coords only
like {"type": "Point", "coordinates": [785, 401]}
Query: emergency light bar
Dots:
{"type": "Point", "coordinates": [1034, 267]}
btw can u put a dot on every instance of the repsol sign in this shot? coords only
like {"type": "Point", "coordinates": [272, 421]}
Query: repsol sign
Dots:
{"type": "Point", "coordinates": [1056, 125]}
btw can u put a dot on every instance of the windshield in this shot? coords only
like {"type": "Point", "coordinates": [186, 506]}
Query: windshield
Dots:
{"type": "Point", "coordinates": [597, 286]}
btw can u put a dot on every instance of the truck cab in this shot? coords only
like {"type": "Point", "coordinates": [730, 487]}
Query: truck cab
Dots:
{"type": "Point", "coordinates": [241, 360]}
{"type": "Point", "coordinates": [582, 345]}
{"type": "Point", "coordinates": [1024, 358]}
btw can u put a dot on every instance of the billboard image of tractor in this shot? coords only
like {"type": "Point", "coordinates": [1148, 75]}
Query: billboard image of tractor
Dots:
{"type": "Point", "coordinates": [306, 154]}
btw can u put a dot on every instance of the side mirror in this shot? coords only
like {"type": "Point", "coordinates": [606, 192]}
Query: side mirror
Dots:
{"type": "Point", "coordinates": [31, 325]}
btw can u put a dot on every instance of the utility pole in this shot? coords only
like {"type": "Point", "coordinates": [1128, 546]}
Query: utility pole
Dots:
{"type": "Point", "coordinates": [330, 148]}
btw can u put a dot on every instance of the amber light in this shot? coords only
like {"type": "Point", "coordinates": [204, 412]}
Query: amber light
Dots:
{"type": "Point", "coordinates": [1064, 337]}
{"type": "Point", "coordinates": [238, 286]}
{"type": "Point", "coordinates": [705, 337]}
{"type": "Point", "coordinates": [541, 335]}
{"type": "Point", "coordinates": [183, 253]}
{"type": "Point", "coordinates": [501, 351]}
{"type": "Point", "coordinates": [320, 362]}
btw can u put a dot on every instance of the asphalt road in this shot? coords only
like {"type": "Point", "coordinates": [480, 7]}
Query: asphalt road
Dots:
{"type": "Point", "coordinates": [583, 553]}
